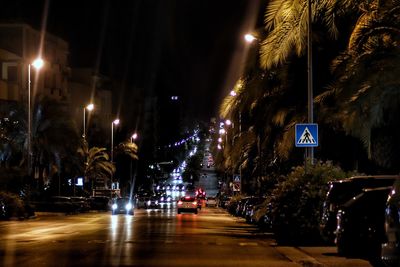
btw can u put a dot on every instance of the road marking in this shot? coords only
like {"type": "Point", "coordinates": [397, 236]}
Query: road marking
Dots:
{"type": "Point", "coordinates": [248, 244]}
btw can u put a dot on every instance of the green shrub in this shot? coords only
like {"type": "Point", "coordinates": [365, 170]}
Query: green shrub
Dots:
{"type": "Point", "coordinates": [297, 201]}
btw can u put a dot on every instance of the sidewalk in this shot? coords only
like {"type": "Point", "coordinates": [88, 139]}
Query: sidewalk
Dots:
{"type": "Point", "coordinates": [319, 257]}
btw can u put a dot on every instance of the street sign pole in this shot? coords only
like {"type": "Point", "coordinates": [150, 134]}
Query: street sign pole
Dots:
{"type": "Point", "coordinates": [310, 154]}
{"type": "Point", "coordinates": [306, 135]}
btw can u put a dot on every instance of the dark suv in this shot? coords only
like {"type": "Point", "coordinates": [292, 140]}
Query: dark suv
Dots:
{"type": "Point", "coordinates": [340, 192]}
{"type": "Point", "coordinates": [391, 247]}
{"type": "Point", "coordinates": [361, 223]}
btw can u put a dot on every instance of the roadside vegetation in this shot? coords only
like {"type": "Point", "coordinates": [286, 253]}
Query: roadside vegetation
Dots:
{"type": "Point", "coordinates": [356, 96]}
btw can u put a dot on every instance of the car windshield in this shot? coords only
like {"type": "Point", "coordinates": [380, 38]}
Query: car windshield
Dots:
{"type": "Point", "coordinates": [121, 201]}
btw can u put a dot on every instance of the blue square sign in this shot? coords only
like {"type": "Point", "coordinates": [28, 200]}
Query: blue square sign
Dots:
{"type": "Point", "coordinates": [306, 135]}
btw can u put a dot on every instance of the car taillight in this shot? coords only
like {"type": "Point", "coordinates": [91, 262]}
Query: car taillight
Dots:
{"type": "Point", "coordinates": [180, 202]}
{"type": "Point", "coordinates": [194, 202]}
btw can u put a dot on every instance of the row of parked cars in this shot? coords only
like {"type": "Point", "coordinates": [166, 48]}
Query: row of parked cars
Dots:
{"type": "Point", "coordinates": [360, 215]}
{"type": "Point", "coordinates": [72, 204]}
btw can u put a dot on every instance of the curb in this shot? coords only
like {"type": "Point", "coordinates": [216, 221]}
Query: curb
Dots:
{"type": "Point", "coordinates": [296, 255]}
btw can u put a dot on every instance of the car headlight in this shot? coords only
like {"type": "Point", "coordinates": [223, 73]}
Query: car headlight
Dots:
{"type": "Point", "coordinates": [149, 203]}
{"type": "Point", "coordinates": [128, 206]}
{"type": "Point", "coordinates": [114, 206]}
{"type": "Point", "coordinates": [162, 199]}
{"type": "Point", "coordinates": [168, 199]}
{"type": "Point", "coordinates": [156, 202]}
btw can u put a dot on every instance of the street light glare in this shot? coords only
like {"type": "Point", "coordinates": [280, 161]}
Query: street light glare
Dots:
{"type": "Point", "coordinates": [232, 93]}
{"type": "Point", "coordinates": [116, 122]}
{"type": "Point", "coordinates": [90, 107]}
{"type": "Point", "coordinates": [134, 136]}
{"type": "Point", "coordinates": [228, 122]}
{"type": "Point", "coordinates": [249, 38]}
{"type": "Point", "coordinates": [38, 63]}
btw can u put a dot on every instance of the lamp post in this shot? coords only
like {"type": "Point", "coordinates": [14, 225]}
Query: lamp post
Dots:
{"type": "Point", "coordinates": [89, 107]}
{"type": "Point", "coordinates": [133, 137]}
{"type": "Point", "coordinates": [37, 64]}
{"type": "Point", "coordinates": [116, 122]}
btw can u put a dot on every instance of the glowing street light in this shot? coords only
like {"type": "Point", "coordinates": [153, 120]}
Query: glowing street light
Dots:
{"type": "Point", "coordinates": [219, 140]}
{"type": "Point", "coordinates": [232, 93]}
{"type": "Point", "coordinates": [134, 137]}
{"type": "Point", "coordinates": [37, 64]}
{"type": "Point", "coordinates": [249, 38]}
{"type": "Point", "coordinates": [228, 122]}
{"type": "Point", "coordinates": [89, 108]}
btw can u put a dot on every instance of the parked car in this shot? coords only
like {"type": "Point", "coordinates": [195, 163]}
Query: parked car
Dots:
{"type": "Point", "coordinates": [223, 201]}
{"type": "Point", "coordinates": [240, 208]}
{"type": "Point", "coordinates": [62, 204]}
{"type": "Point", "coordinates": [3, 210]}
{"type": "Point", "coordinates": [340, 192]}
{"type": "Point", "coordinates": [263, 217]}
{"type": "Point", "coordinates": [391, 247]}
{"type": "Point", "coordinates": [152, 203]}
{"type": "Point", "coordinates": [100, 203]}
{"type": "Point", "coordinates": [187, 204]}
{"type": "Point", "coordinates": [122, 206]}
{"type": "Point", "coordinates": [81, 204]}
{"type": "Point", "coordinates": [360, 224]}
{"type": "Point", "coordinates": [249, 207]}
{"type": "Point", "coordinates": [211, 202]}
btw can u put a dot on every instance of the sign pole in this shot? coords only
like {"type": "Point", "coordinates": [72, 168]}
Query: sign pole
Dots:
{"type": "Point", "coordinates": [310, 156]}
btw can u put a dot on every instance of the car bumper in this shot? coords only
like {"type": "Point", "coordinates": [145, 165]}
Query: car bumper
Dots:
{"type": "Point", "coordinates": [391, 253]}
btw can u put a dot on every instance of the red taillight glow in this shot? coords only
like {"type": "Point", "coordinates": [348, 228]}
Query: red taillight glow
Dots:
{"type": "Point", "coordinates": [194, 203]}
{"type": "Point", "coordinates": [180, 202]}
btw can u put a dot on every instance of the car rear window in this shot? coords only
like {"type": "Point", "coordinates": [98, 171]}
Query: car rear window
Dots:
{"type": "Point", "coordinates": [188, 199]}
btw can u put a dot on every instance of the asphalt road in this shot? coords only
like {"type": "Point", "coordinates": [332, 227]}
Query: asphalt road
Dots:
{"type": "Point", "coordinates": [149, 238]}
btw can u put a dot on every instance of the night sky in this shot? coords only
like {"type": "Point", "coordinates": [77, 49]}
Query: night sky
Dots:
{"type": "Point", "coordinates": [165, 47]}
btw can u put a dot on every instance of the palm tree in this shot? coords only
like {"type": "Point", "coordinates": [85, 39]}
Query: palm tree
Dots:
{"type": "Point", "coordinates": [13, 145]}
{"type": "Point", "coordinates": [54, 138]}
{"type": "Point", "coordinates": [286, 23]}
{"type": "Point", "coordinates": [126, 153]}
{"type": "Point", "coordinates": [97, 168]}
{"type": "Point", "coordinates": [365, 93]}
{"type": "Point", "coordinates": [128, 149]}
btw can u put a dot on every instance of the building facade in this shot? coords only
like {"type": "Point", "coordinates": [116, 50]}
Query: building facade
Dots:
{"type": "Point", "coordinates": [20, 45]}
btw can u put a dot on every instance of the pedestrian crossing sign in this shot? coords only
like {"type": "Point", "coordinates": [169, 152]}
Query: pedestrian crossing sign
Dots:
{"type": "Point", "coordinates": [306, 135]}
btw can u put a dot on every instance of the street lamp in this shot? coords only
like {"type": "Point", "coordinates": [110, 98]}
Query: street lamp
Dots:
{"type": "Point", "coordinates": [37, 64]}
{"type": "Point", "coordinates": [249, 38]}
{"type": "Point", "coordinates": [116, 122]}
{"type": "Point", "coordinates": [89, 107]}
{"type": "Point", "coordinates": [133, 137]}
